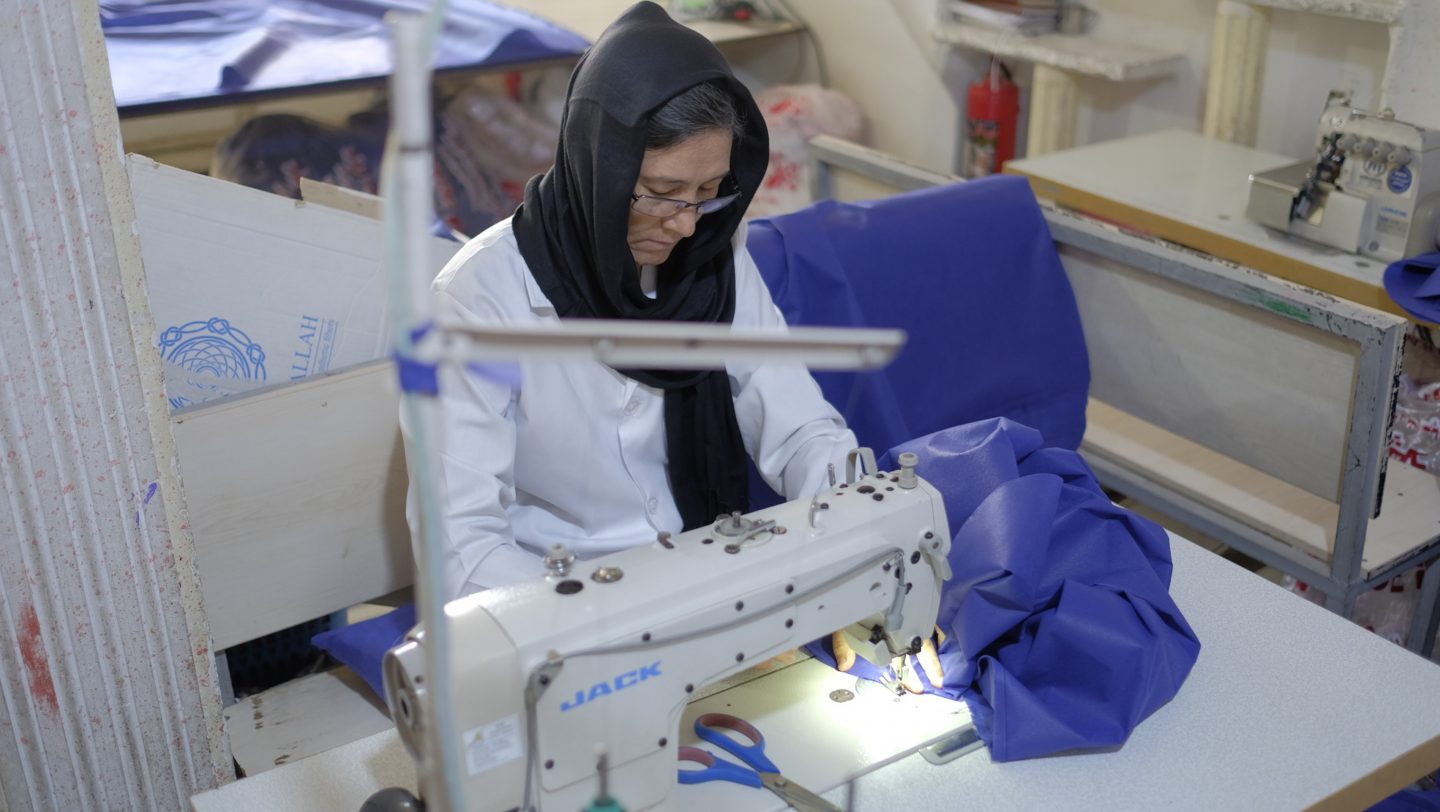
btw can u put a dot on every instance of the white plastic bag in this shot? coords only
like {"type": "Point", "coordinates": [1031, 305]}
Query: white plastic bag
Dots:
{"type": "Point", "coordinates": [1415, 430]}
{"type": "Point", "coordinates": [795, 114]}
{"type": "Point", "coordinates": [1386, 610]}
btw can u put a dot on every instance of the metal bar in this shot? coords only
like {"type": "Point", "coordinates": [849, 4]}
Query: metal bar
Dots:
{"type": "Point", "coordinates": [827, 151]}
{"type": "Point", "coordinates": [1205, 272]}
{"type": "Point", "coordinates": [1427, 619]}
{"type": "Point", "coordinates": [406, 184]}
{"type": "Point", "coordinates": [1377, 334]}
{"type": "Point", "coordinates": [1366, 450]}
{"type": "Point", "coordinates": [674, 345]}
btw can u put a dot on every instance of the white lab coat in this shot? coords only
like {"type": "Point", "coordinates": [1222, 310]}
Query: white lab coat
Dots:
{"type": "Point", "coordinates": [576, 454]}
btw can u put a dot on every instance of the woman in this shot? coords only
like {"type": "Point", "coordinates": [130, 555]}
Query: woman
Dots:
{"type": "Point", "coordinates": [661, 148]}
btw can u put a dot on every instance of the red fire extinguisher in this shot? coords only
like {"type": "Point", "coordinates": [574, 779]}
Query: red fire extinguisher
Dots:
{"type": "Point", "coordinates": [992, 110]}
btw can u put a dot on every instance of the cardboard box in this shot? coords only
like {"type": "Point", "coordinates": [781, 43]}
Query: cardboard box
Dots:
{"type": "Point", "coordinates": [250, 289]}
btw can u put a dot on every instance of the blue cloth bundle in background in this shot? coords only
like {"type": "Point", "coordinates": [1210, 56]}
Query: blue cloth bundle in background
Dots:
{"type": "Point", "coordinates": [169, 53]}
{"type": "Point", "coordinates": [1059, 628]}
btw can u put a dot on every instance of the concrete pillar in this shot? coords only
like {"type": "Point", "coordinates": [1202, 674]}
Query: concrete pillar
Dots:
{"type": "Point", "coordinates": [1411, 84]}
{"type": "Point", "coordinates": [1237, 71]}
{"type": "Point", "coordinates": [107, 684]}
{"type": "Point", "coordinates": [1053, 97]}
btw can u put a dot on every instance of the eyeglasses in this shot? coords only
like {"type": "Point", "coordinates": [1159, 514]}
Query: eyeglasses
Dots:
{"type": "Point", "coordinates": [669, 207]}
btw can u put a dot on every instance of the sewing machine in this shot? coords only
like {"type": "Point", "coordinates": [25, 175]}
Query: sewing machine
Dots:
{"type": "Point", "coordinates": [603, 655]}
{"type": "Point", "coordinates": [1368, 190]}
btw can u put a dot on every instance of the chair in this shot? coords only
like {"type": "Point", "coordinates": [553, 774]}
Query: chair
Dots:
{"type": "Point", "coordinates": [970, 272]}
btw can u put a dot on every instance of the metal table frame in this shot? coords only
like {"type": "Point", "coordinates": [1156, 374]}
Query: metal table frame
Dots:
{"type": "Point", "coordinates": [1379, 337]}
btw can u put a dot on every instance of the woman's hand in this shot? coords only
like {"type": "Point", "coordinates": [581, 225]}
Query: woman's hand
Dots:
{"type": "Point", "coordinates": [928, 659]}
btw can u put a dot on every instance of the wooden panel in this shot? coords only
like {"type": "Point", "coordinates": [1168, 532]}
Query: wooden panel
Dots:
{"type": "Point", "coordinates": [1409, 518]}
{"type": "Point", "coordinates": [1118, 61]}
{"type": "Point", "coordinates": [1247, 383]}
{"type": "Point", "coordinates": [337, 197]}
{"type": "Point", "coordinates": [1270, 505]}
{"type": "Point", "coordinates": [301, 718]}
{"type": "Point", "coordinates": [297, 500]}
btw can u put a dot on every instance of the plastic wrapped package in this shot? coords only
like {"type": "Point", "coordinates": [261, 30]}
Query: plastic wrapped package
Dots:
{"type": "Point", "coordinates": [486, 148]}
{"type": "Point", "coordinates": [273, 152]}
{"type": "Point", "coordinates": [1385, 610]}
{"type": "Point", "coordinates": [1415, 430]}
{"type": "Point", "coordinates": [795, 114]}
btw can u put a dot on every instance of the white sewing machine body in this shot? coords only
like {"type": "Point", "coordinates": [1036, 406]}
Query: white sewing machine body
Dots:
{"type": "Point", "coordinates": [607, 656]}
{"type": "Point", "coordinates": [1373, 189]}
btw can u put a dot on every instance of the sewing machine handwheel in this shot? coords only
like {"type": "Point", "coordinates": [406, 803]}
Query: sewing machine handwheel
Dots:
{"type": "Point", "coordinates": [393, 799]}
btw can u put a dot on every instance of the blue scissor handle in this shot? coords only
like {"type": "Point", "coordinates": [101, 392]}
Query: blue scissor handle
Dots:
{"type": "Point", "coordinates": [709, 725]}
{"type": "Point", "coordinates": [716, 769]}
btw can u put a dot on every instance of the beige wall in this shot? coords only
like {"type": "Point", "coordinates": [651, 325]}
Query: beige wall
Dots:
{"type": "Point", "coordinates": [881, 53]}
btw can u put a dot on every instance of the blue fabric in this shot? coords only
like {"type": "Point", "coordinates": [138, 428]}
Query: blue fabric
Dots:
{"type": "Point", "coordinates": [1410, 800]}
{"type": "Point", "coordinates": [362, 646]}
{"type": "Point", "coordinates": [1060, 630]}
{"type": "Point", "coordinates": [1414, 284]}
{"type": "Point", "coordinates": [417, 376]}
{"type": "Point", "coordinates": [970, 272]}
{"type": "Point", "coordinates": [170, 51]}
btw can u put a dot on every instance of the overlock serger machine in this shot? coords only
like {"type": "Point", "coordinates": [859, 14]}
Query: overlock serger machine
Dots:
{"type": "Point", "coordinates": [602, 655]}
{"type": "Point", "coordinates": [1372, 189]}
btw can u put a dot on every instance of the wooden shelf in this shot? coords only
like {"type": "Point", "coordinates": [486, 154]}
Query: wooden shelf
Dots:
{"type": "Point", "coordinates": [1407, 523]}
{"type": "Point", "coordinates": [1082, 54]}
{"type": "Point", "coordinates": [591, 17]}
{"type": "Point", "coordinates": [1375, 11]}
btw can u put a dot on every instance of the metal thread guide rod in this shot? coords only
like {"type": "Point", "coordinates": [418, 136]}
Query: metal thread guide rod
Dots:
{"type": "Point", "coordinates": [407, 173]}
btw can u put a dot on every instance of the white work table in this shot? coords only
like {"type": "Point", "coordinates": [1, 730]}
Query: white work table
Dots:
{"type": "Point", "coordinates": [1301, 710]}
{"type": "Point", "coordinates": [1186, 188]}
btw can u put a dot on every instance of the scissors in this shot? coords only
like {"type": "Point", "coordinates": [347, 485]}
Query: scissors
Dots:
{"type": "Point", "coordinates": [765, 773]}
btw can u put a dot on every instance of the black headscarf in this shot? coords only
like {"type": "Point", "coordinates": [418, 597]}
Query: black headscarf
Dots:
{"type": "Point", "coordinates": [572, 230]}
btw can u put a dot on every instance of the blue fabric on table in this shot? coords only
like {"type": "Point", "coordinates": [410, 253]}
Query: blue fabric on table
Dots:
{"type": "Point", "coordinates": [1414, 284]}
{"type": "Point", "coordinates": [174, 51]}
{"type": "Point", "coordinates": [362, 646]}
{"type": "Point", "coordinates": [970, 272]}
{"type": "Point", "coordinates": [1060, 630]}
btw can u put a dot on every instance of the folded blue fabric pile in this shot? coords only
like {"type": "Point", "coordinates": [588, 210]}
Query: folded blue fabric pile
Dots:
{"type": "Point", "coordinates": [1059, 628]}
